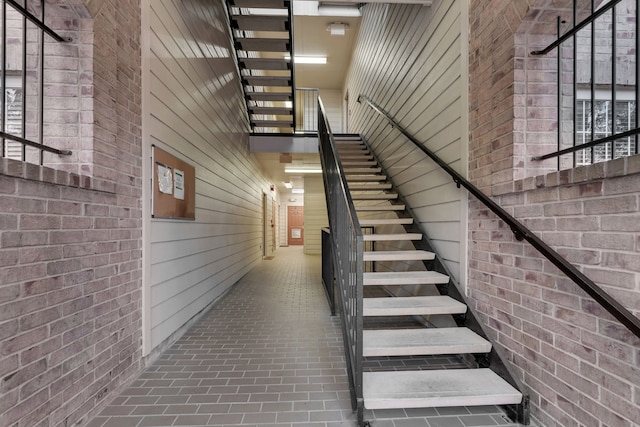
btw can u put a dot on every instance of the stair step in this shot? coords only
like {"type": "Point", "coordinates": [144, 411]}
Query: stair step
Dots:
{"type": "Point", "coordinates": [263, 44]}
{"type": "Point", "coordinates": [381, 196]}
{"type": "Point", "coordinates": [269, 96]}
{"type": "Point", "coordinates": [366, 178]}
{"type": "Point", "coordinates": [271, 111]}
{"type": "Point", "coordinates": [280, 81]}
{"type": "Point", "coordinates": [391, 237]}
{"type": "Point", "coordinates": [347, 137]}
{"type": "Point", "coordinates": [272, 123]}
{"type": "Point", "coordinates": [346, 141]}
{"type": "Point", "coordinates": [412, 306]}
{"type": "Point", "coordinates": [356, 157]}
{"type": "Point", "coordinates": [369, 187]}
{"type": "Point", "coordinates": [383, 221]}
{"type": "Point", "coordinates": [380, 208]}
{"type": "Point", "coordinates": [417, 342]}
{"type": "Point", "coordinates": [351, 163]}
{"type": "Point", "coordinates": [404, 278]}
{"type": "Point", "coordinates": [361, 171]}
{"type": "Point", "coordinates": [265, 63]}
{"type": "Point", "coordinates": [260, 22]}
{"type": "Point", "coordinates": [437, 388]}
{"type": "Point", "coordinates": [268, 4]}
{"type": "Point", "coordinates": [397, 255]}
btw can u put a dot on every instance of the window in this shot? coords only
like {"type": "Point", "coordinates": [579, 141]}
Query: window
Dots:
{"type": "Point", "coordinates": [22, 58]}
{"type": "Point", "coordinates": [602, 124]}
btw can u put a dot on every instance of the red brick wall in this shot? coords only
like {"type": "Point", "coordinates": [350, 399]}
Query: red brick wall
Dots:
{"type": "Point", "coordinates": [70, 234]}
{"type": "Point", "coordinates": [581, 366]}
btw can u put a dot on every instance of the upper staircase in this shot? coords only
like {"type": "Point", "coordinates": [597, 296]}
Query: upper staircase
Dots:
{"type": "Point", "coordinates": [262, 35]}
{"type": "Point", "coordinates": [398, 324]}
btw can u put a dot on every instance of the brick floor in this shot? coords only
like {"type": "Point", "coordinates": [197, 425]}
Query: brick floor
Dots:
{"type": "Point", "coordinates": [267, 354]}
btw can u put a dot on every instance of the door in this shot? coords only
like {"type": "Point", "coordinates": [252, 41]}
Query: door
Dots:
{"type": "Point", "coordinates": [295, 221]}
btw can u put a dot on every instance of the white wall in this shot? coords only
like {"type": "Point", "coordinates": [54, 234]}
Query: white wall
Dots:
{"type": "Point", "coordinates": [315, 214]}
{"type": "Point", "coordinates": [411, 61]}
{"type": "Point", "coordinates": [194, 110]}
{"type": "Point", "coordinates": [333, 105]}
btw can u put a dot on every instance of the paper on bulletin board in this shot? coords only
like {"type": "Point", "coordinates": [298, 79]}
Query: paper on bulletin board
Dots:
{"type": "Point", "coordinates": [178, 184]}
{"type": "Point", "coordinates": [165, 182]}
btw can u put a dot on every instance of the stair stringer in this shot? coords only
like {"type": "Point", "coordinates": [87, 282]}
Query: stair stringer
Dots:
{"type": "Point", "coordinates": [495, 360]}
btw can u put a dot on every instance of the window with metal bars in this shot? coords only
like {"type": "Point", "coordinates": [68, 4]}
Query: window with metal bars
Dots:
{"type": "Point", "coordinates": [24, 35]}
{"type": "Point", "coordinates": [597, 76]}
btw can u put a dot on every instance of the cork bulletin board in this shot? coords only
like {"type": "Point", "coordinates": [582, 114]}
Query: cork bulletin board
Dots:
{"type": "Point", "coordinates": [174, 187]}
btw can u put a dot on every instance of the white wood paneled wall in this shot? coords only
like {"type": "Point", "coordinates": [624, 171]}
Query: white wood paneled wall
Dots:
{"type": "Point", "coordinates": [315, 214]}
{"type": "Point", "coordinates": [332, 101]}
{"type": "Point", "coordinates": [411, 60]}
{"type": "Point", "coordinates": [195, 111]}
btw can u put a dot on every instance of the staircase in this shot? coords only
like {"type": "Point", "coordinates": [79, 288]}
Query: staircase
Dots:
{"type": "Point", "coordinates": [378, 206]}
{"type": "Point", "coordinates": [262, 35]}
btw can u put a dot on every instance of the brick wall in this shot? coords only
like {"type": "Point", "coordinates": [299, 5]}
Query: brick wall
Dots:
{"type": "Point", "coordinates": [70, 232]}
{"type": "Point", "coordinates": [580, 365]}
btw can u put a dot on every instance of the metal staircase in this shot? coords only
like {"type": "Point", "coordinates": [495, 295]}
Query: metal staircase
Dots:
{"type": "Point", "coordinates": [263, 40]}
{"type": "Point", "coordinates": [378, 206]}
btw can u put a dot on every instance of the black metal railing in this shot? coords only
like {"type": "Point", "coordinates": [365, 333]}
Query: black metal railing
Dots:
{"type": "Point", "coordinates": [523, 233]}
{"type": "Point", "coordinates": [22, 113]}
{"type": "Point", "coordinates": [347, 246]}
{"type": "Point", "coordinates": [328, 277]}
{"type": "Point", "coordinates": [602, 123]}
{"type": "Point", "coordinates": [306, 109]}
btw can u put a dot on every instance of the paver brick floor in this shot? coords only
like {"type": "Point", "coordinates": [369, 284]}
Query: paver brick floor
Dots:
{"type": "Point", "coordinates": [267, 354]}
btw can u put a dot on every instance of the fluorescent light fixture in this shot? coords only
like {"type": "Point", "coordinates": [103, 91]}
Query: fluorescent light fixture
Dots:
{"type": "Point", "coordinates": [298, 191]}
{"type": "Point", "coordinates": [288, 184]}
{"type": "Point", "coordinates": [338, 10]}
{"type": "Point", "coordinates": [308, 59]}
{"type": "Point", "coordinates": [302, 169]}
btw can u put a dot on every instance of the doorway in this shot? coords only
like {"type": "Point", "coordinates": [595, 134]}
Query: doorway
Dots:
{"type": "Point", "coordinates": [295, 225]}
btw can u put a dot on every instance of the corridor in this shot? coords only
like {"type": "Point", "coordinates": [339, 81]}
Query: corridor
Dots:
{"type": "Point", "coordinates": [267, 354]}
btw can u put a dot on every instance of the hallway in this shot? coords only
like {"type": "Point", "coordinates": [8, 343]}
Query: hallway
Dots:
{"type": "Point", "coordinates": [268, 353]}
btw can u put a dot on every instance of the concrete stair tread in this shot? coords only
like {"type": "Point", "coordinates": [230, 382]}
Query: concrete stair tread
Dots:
{"type": "Point", "coordinates": [369, 187]}
{"type": "Point", "coordinates": [360, 157]}
{"type": "Point", "coordinates": [380, 196]}
{"type": "Point", "coordinates": [412, 306]}
{"type": "Point", "coordinates": [264, 44]}
{"type": "Point", "coordinates": [365, 178]}
{"type": "Point", "coordinates": [385, 221]}
{"type": "Point", "coordinates": [361, 171]}
{"type": "Point", "coordinates": [391, 237]}
{"type": "Point", "coordinates": [380, 208]}
{"type": "Point", "coordinates": [427, 341]}
{"type": "Point", "coordinates": [260, 22]}
{"type": "Point", "coordinates": [437, 388]}
{"type": "Point", "coordinates": [404, 278]}
{"type": "Point", "coordinates": [355, 162]}
{"type": "Point", "coordinates": [414, 255]}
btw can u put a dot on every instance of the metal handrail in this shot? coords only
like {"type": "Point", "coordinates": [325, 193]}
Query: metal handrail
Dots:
{"type": "Point", "coordinates": [347, 247]}
{"type": "Point", "coordinates": [595, 15]}
{"type": "Point", "coordinates": [590, 144]}
{"type": "Point", "coordinates": [521, 232]}
{"type": "Point", "coordinates": [37, 145]}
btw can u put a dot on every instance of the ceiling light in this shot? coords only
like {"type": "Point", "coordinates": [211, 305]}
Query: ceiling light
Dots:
{"type": "Point", "coordinates": [337, 28]}
{"type": "Point", "coordinates": [288, 184]}
{"type": "Point", "coordinates": [308, 59]}
{"type": "Point", "coordinates": [298, 191]}
{"type": "Point", "coordinates": [302, 169]}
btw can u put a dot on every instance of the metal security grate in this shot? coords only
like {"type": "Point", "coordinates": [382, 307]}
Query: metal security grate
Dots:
{"type": "Point", "coordinates": [23, 32]}
{"type": "Point", "coordinates": [598, 93]}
